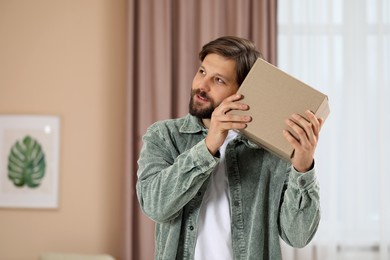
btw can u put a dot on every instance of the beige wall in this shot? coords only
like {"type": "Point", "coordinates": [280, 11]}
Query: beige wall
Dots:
{"type": "Point", "coordinates": [68, 58]}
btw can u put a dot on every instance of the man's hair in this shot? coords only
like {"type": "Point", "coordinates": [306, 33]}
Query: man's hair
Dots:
{"type": "Point", "coordinates": [242, 51]}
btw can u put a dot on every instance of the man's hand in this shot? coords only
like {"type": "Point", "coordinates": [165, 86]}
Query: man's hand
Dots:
{"type": "Point", "coordinates": [220, 122]}
{"type": "Point", "coordinates": [307, 133]}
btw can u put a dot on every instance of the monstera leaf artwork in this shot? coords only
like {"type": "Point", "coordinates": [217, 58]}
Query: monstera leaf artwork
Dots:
{"type": "Point", "coordinates": [26, 163]}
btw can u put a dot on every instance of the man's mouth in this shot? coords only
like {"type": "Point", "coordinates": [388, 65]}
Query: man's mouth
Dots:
{"type": "Point", "coordinates": [202, 97]}
{"type": "Point", "coordinates": [201, 105]}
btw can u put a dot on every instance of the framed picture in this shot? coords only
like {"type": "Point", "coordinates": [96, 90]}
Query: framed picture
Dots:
{"type": "Point", "coordinates": [29, 161]}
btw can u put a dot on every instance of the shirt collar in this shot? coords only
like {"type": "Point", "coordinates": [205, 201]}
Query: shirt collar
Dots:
{"type": "Point", "coordinates": [191, 125]}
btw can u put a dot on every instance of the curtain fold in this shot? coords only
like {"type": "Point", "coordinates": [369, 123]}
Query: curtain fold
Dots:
{"type": "Point", "coordinates": [165, 37]}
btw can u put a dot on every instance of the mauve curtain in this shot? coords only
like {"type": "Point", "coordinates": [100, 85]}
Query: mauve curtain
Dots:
{"type": "Point", "coordinates": [165, 37]}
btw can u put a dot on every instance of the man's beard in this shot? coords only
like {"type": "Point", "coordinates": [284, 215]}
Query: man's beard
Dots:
{"type": "Point", "coordinates": [202, 113]}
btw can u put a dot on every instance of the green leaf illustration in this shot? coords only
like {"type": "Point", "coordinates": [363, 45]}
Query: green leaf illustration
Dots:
{"type": "Point", "coordinates": [26, 163]}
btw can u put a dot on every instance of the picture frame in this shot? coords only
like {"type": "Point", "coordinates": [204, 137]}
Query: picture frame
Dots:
{"type": "Point", "coordinates": [29, 161]}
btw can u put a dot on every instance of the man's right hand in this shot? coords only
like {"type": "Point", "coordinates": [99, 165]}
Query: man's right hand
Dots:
{"type": "Point", "coordinates": [221, 122]}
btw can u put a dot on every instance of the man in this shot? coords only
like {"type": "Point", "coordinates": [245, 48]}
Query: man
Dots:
{"type": "Point", "coordinates": [212, 193]}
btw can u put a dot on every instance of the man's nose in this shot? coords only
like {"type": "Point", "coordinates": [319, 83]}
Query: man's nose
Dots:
{"type": "Point", "coordinates": [204, 84]}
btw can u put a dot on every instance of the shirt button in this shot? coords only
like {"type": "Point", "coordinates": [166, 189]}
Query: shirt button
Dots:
{"type": "Point", "coordinates": [236, 203]}
{"type": "Point", "coordinates": [302, 182]}
{"type": "Point", "coordinates": [191, 227]}
{"type": "Point", "coordinates": [199, 193]}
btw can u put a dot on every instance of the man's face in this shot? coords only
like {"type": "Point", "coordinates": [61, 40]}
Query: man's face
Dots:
{"type": "Point", "coordinates": [214, 81]}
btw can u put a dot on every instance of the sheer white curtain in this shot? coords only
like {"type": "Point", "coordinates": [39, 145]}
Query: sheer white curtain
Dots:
{"type": "Point", "coordinates": [342, 48]}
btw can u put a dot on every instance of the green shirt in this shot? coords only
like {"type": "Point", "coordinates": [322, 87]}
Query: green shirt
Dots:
{"type": "Point", "coordinates": [268, 197]}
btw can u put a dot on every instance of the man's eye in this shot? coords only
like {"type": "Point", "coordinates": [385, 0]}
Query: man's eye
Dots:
{"type": "Point", "coordinates": [201, 71]}
{"type": "Point", "coordinates": [220, 81]}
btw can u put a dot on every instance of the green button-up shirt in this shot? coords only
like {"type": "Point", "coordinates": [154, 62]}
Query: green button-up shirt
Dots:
{"type": "Point", "coordinates": [268, 197]}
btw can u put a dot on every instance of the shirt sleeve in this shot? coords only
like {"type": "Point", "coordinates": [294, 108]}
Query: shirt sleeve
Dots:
{"type": "Point", "coordinates": [300, 209]}
{"type": "Point", "coordinates": [168, 179]}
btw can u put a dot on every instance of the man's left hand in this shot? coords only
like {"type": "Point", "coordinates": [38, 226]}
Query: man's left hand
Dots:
{"type": "Point", "coordinates": [305, 142]}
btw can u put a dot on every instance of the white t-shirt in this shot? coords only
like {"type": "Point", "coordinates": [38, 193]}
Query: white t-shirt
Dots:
{"type": "Point", "coordinates": [214, 239]}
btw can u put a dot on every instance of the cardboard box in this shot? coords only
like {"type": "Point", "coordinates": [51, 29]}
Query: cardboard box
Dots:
{"type": "Point", "coordinates": [274, 96]}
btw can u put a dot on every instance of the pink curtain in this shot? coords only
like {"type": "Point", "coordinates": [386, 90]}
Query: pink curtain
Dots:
{"type": "Point", "coordinates": [165, 37]}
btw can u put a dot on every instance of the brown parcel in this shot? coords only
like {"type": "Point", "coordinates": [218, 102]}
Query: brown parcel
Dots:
{"type": "Point", "coordinates": [274, 96]}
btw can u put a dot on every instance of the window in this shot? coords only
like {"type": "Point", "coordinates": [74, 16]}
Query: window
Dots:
{"type": "Point", "coordinates": [342, 48]}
